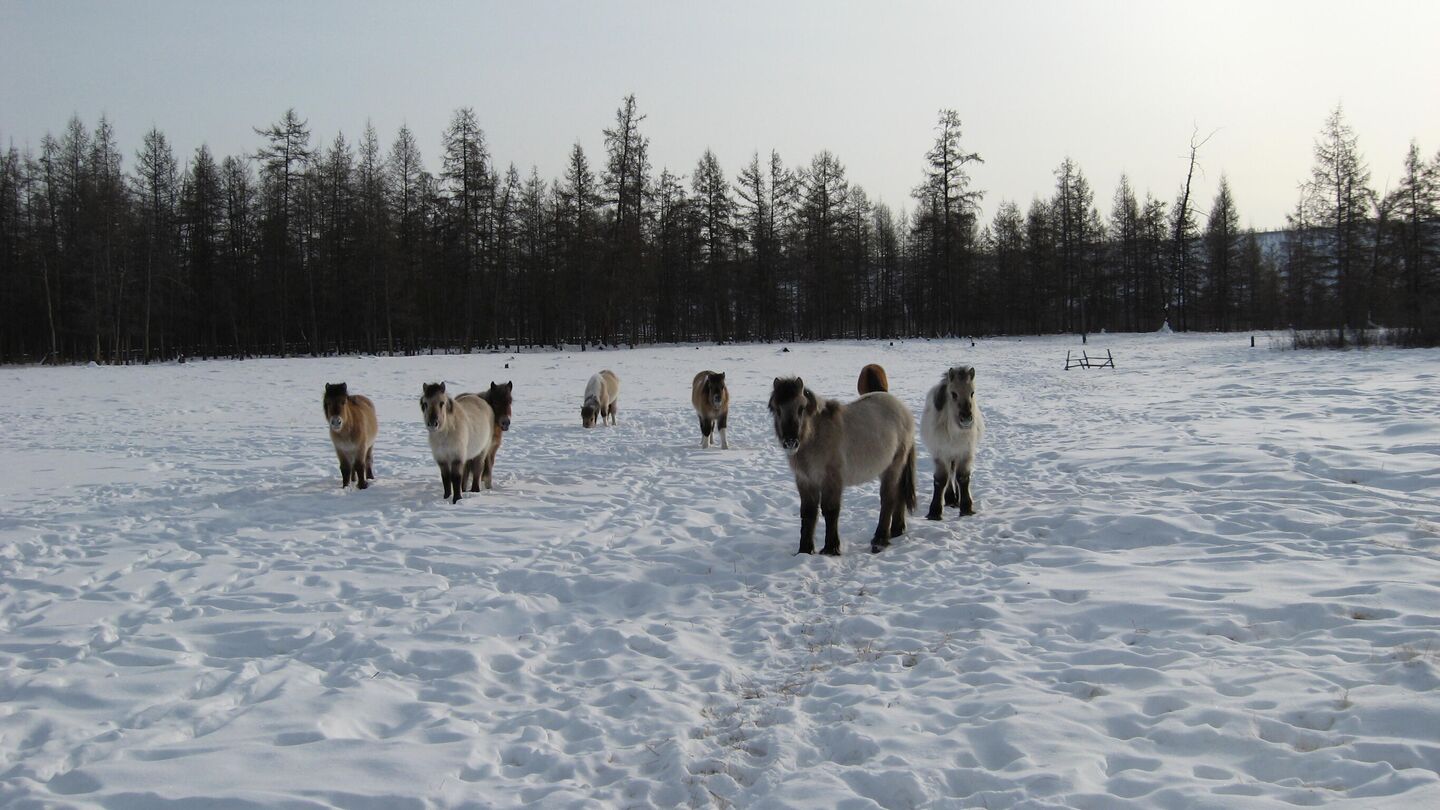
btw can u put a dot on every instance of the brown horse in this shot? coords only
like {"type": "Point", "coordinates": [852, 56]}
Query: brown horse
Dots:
{"type": "Point", "coordinates": [501, 402]}
{"type": "Point", "coordinates": [831, 446]}
{"type": "Point", "coordinates": [712, 404]}
{"type": "Point", "coordinates": [353, 428]}
{"type": "Point", "coordinates": [872, 379]}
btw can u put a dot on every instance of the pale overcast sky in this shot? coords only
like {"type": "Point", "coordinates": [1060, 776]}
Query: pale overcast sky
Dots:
{"type": "Point", "coordinates": [1116, 85]}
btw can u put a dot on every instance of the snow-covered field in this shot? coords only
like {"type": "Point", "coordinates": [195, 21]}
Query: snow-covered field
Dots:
{"type": "Point", "coordinates": [1208, 578]}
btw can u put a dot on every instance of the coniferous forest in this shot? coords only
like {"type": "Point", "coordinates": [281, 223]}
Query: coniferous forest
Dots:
{"type": "Point", "coordinates": [315, 246]}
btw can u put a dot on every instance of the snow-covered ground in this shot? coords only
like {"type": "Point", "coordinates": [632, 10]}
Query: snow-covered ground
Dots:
{"type": "Point", "coordinates": [1208, 578]}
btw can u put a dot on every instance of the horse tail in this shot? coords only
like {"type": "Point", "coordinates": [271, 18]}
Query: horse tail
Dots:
{"type": "Point", "coordinates": [907, 480]}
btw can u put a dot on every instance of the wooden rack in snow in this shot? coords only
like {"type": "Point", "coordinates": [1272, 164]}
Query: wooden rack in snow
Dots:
{"type": "Point", "coordinates": [1086, 361]}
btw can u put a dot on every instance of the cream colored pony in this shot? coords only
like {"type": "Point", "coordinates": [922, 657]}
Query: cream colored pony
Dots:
{"type": "Point", "coordinates": [600, 394]}
{"type": "Point", "coordinates": [832, 446]}
{"type": "Point", "coordinates": [461, 430]}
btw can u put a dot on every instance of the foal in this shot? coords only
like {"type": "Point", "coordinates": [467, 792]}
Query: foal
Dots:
{"type": "Point", "coordinates": [460, 433]}
{"type": "Point", "coordinates": [600, 394]}
{"type": "Point", "coordinates": [832, 446]}
{"type": "Point", "coordinates": [712, 404]}
{"type": "Point", "coordinates": [353, 428]}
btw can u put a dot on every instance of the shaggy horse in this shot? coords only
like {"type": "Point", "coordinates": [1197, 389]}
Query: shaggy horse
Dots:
{"type": "Point", "coordinates": [460, 432]}
{"type": "Point", "coordinates": [872, 379]}
{"type": "Point", "coordinates": [831, 446]}
{"type": "Point", "coordinates": [353, 428]}
{"type": "Point", "coordinates": [499, 397]}
{"type": "Point", "coordinates": [600, 394]}
{"type": "Point", "coordinates": [712, 404]}
{"type": "Point", "coordinates": [952, 428]}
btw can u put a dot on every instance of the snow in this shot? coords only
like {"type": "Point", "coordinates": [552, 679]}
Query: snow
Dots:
{"type": "Point", "coordinates": [1207, 578]}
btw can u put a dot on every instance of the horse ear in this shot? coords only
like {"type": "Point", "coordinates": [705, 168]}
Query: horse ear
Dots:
{"type": "Point", "coordinates": [510, 386]}
{"type": "Point", "coordinates": [721, 375]}
{"type": "Point", "coordinates": [971, 374]}
{"type": "Point", "coordinates": [493, 385]}
{"type": "Point", "coordinates": [777, 382]}
{"type": "Point", "coordinates": [939, 397]}
{"type": "Point", "coordinates": [442, 387]}
{"type": "Point", "coordinates": [811, 403]}
{"type": "Point", "coordinates": [450, 406]}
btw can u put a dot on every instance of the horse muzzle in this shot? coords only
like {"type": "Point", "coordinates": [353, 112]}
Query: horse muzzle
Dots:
{"type": "Point", "coordinates": [791, 446]}
{"type": "Point", "coordinates": [336, 424]}
{"type": "Point", "coordinates": [504, 424]}
{"type": "Point", "coordinates": [432, 426]}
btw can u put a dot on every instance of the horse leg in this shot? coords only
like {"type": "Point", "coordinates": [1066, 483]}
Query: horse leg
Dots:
{"type": "Point", "coordinates": [444, 477]}
{"type": "Point", "coordinates": [612, 414]}
{"type": "Point", "coordinates": [830, 508]}
{"type": "Point", "coordinates": [488, 468]}
{"type": "Point", "coordinates": [889, 490]}
{"type": "Point", "coordinates": [897, 516]}
{"type": "Point", "coordinates": [724, 418]}
{"type": "Point", "coordinates": [358, 467]}
{"type": "Point", "coordinates": [705, 427]}
{"type": "Point", "coordinates": [967, 505]}
{"type": "Point", "coordinates": [809, 510]}
{"type": "Point", "coordinates": [476, 466]}
{"type": "Point", "coordinates": [344, 469]}
{"type": "Point", "coordinates": [937, 502]}
{"type": "Point", "coordinates": [952, 493]}
{"type": "Point", "coordinates": [457, 477]}
{"type": "Point", "coordinates": [370, 462]}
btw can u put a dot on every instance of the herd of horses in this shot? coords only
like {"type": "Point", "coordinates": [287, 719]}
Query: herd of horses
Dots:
{"type": "Point", "coordinates": [830, 445]}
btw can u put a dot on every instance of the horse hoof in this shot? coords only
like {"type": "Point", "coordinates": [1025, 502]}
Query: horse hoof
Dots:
{"type": "Point", "coordinates": [876, 546]}
{"type": "Point", "coordinates": [964, 512]}
{"type": "Point", "coordinates": [362, 485]}
{"type": "Point", "coordinates": [934, 516]}
{"type": "Point", "coordinates": [830, 552]}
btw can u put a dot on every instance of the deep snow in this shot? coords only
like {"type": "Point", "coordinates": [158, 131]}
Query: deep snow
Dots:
{"type": "Point", "coordinates": [1207, 578]}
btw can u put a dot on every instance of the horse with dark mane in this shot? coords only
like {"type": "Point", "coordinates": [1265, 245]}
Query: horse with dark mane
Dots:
{"type": "Point", "coordinates": [353, 427]}
{"type": "Point", "coordinates": [501, 403]}
{"type": "Point", "coordinates": [831, 446]}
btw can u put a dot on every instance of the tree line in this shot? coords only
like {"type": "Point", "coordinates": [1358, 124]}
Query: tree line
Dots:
{"type": "Point", "coordinates": [312, 248]}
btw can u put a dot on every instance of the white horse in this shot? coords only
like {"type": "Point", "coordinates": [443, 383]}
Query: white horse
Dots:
{"type": "Point", "coordinates": [461, 430]}
{"type": "Point", "coordinates": [832, 446]}
{"type": "Point", "coordinates": [952, 428]}
{"type": "Point", "coordinates": [601, 392]}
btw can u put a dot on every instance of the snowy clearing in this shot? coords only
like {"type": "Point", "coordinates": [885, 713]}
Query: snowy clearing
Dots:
{"type": "Point", "coordinates": [1208, 578]}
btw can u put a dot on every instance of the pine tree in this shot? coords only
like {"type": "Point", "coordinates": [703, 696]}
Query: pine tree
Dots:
{"type": "Point", "coordinates": [1339, 203]}
{"type": "Point", "coordinates": [1222, 257]}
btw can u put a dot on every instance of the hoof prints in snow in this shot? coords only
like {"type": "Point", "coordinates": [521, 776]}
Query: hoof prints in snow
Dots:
{"type": "Point", "coordinates": [1227, 596]}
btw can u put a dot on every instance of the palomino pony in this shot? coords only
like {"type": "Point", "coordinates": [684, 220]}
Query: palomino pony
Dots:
{"type": "Point", "coordinates": [952, 428]}
{"type": "Point", "coordinates": [501, 402]}
{"type": "Point", "coordinates": [600, 394]}
{"type": "Point", "coordinates": [872, 379]}
{"type": "Point", "coordinates": [712, 404]}
{"type": "Point", "coordinates": [832, 446]}
{"type": "Point", "coordinates": [353, 428]}
{"type": "Point", "coordinates": [460, 433]}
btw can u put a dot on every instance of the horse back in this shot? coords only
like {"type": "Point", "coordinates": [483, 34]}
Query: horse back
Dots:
{"type": "Point", "coordinates": [479, 418]}
{"type": "Point", "coordinates": [367, 424]}
{"type": "Point", "coordinates": [872, 379]}
{"type": "Point", "coordinates": [875, 429]}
